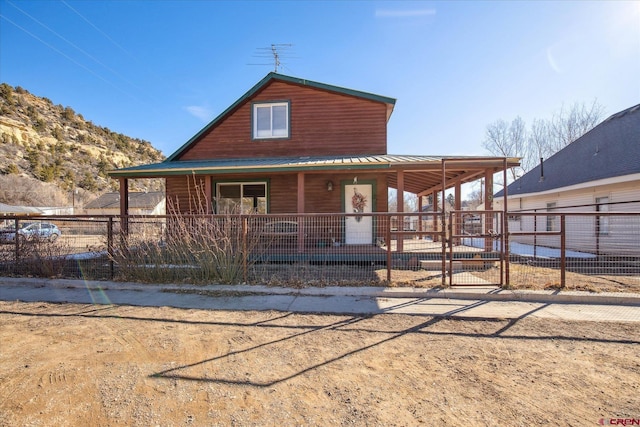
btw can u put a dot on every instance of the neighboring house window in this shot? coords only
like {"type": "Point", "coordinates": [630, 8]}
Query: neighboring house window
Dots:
{"type": "Point", "coordinates": [552, 221]}
{"type": "Point", "coordinates": [515, 221]}
{"type": "Point", "coordinates": [271, 120]}
{"type": "Point", "coordinates": [241, 197]}
{"type": "Point", "coordinates": [602, 222]}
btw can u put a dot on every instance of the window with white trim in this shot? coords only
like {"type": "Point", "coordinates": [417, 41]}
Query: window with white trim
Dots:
{"type": "Point", "coordinates": [271, 120]}
{"type": "Point", "coordinates": [241, 197]}
{"type": "Point", "coordinates": [602, 222]}
{"type": "Point", "coordinates": [552, 221]}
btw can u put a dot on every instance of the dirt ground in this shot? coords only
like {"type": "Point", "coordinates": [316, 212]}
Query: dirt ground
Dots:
{"type": "Point", "coordinates": [88, 365]}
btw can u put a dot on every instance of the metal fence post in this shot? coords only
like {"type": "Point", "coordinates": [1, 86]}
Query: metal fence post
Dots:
{"type": "Point", "coordinates": [17, 243]}
{"type": "Point", "coordinates": [535, 234]}
{"type": "Point", "coordinates": [443, 238]}
{"type": "Point", "coordinates": [505, 248]}
{"type": "Point", "coordinates": [388, 239]}
{"type": "Point", "coordinates": [244, 248]}
{"type": "Point", "coordinates": [563, 250]}
{"type": "Point", "coordinates": [450, 251]}
{"type": "Point", "coordinates": [505, 227]}
{"type": "Point", "coordinates": [110, 247]}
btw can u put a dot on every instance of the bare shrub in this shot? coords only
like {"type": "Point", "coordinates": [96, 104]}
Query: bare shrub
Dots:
{"type": "Point", "coordinates": [195, 248]}
{"type": "Point", "coordinates": [42, 257]}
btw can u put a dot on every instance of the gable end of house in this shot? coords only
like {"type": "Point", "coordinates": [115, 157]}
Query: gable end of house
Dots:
{"type": "Point", "coordinates": [261, 86]}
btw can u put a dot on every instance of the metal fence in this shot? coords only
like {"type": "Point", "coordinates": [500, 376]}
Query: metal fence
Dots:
{"type": "Point", "coordinates": [588, 251]}
{"type": "Point", "coordinates": [574, 250]}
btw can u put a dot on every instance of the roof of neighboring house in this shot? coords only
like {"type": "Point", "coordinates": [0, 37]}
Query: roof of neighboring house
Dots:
{"type": "Point", "coordinates": [18, 210]}
{"type": "Point", "coordinates": [288, 79]}
{"type": "Point", "coordinates": [611, 149]}
{"type": "Point", "coordinates": [137, 200]}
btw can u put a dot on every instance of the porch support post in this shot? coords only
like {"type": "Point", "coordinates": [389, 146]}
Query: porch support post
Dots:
{"type": "Point", "coordinates": [400, 209]}
{"type": "Point", "coordinates": [457, 206]}
{"type": "Point", "coordinates": [505, 226]}
{"type": "Point", "coordinates": [300, 209]}
{"type": "Point", "coordinates": [434, 216]}
{"type": "Point", "coordinates": [446, 238]}
{"type": "Point", "coordinates": [488, 190]}
{"type": "Point", "coordinates": [124, 205]}
{"type": "Point", "coordinates": [420, 216]}
{"type": "Point", "coordinates": [488, 206]}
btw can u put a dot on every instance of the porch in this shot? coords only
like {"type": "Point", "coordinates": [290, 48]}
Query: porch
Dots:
{"type": "Point", "coordinates": [317, 185]}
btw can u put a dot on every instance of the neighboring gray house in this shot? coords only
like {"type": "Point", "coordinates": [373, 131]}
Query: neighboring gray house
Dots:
{"type": "Point", "coordinates": [598, 172]}
{"type": "Point", "coordinates": [147, 203]}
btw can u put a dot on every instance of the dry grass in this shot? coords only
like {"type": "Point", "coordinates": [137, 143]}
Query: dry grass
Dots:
{"type": "Point", "coordinates": [539, 278]}
{"type": "Point", "coordinates": [521, 277]}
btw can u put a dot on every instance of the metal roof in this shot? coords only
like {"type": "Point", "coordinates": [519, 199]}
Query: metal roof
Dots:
{"type": "Point", "coordinates": [290, 164]}
{"type": "Point", "coordinates": [18, 210]}
{"type": "Point", "coordinates": [423, 173]}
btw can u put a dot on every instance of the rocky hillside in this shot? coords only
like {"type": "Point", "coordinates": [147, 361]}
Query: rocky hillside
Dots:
{"type": "Point", "coordinates": [49, 152]}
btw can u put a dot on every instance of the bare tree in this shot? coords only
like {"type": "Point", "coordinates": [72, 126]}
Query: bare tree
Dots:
{"type": "Point", "coordinates": [537, 144]}
{"type": "Point", "coordinates": [507, 139]}
{"type": "Point", "coordinates": [568, 125]}
{"type": "Point", "coordinates": [451, 200]}
{"type": "Point", "coordinates": [475, 199]}
{"type": "Point", "coordinates": [545, 137]}
{"type": "Point", "coordinates": [410, 201]}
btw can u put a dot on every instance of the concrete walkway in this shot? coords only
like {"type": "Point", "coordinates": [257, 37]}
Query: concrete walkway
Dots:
{"type": "Point", "coordinates": [476, 302]}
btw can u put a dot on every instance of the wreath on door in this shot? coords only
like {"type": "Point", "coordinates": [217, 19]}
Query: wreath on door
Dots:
{"type": "Point", "coordinates": [358, 202]}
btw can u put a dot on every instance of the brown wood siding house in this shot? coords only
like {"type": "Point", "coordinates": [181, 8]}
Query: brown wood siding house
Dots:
{"type": "Point", "coordinates": [291, 146]}
{"type": "Point", "coordinates": [322, 123]}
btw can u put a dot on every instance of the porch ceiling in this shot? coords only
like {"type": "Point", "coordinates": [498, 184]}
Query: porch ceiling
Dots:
{"type": "Point", "coordinates": [425, 180]}
{"type": "Point", "coordinates": [422, 174]}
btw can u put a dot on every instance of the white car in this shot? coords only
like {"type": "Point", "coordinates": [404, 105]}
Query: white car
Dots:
{"type": "Point", "coordinates": [30, 231]}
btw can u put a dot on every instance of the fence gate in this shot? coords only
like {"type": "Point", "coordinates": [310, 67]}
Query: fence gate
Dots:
{"type": "Point", "coordinates": [476, 248]}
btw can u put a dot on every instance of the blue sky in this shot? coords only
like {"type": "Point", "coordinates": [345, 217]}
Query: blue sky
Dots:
{"type": "Point", "coordinates": [161, 70]}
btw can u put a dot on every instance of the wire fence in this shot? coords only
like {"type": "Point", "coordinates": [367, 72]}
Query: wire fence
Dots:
{"type": "Point", "coordinates": [593, 251]}
{"type": "Point", "coordinates": [598, 251]}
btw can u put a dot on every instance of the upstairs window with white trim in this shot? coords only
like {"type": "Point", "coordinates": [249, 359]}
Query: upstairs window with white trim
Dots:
{"type": "Point", "coordinates": [271, 120]}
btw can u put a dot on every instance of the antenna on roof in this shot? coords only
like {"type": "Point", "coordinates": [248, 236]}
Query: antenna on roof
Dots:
{"type": "Point", "coordinates": [277, 52]}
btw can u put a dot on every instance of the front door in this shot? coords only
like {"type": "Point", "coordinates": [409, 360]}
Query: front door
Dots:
{"type": "Point", "coordinates": [358, 198]}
